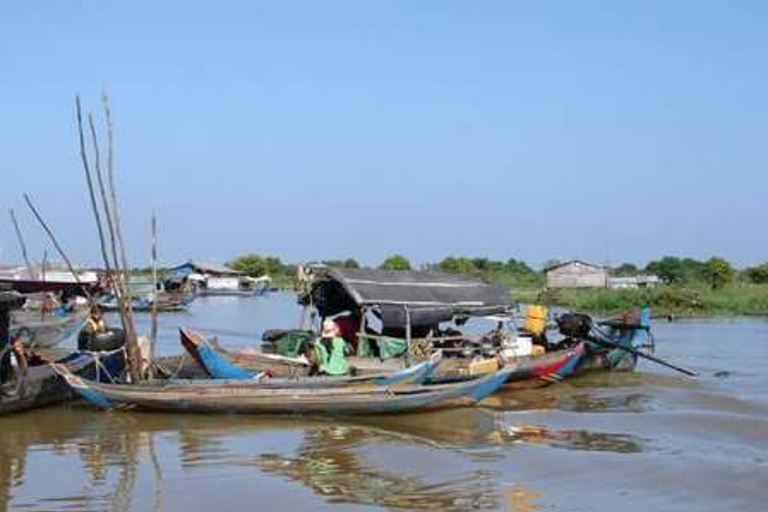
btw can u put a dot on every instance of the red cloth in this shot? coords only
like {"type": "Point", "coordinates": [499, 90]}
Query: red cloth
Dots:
{"type": "Point", "coordinates": [348, 329]}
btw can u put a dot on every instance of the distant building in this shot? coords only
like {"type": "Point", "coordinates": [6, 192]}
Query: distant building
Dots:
{"type": "Point", "coordinates": [212, 279]}
{"type": "Point", "coordinates": [576, 274]}
{"type": "Point", "coordinates": [634, 282]}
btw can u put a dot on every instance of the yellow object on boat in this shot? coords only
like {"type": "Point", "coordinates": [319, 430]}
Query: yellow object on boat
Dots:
{"type": "Point", "coordinates": [536, 319]}
{"type": "Point", "coordinates": [484, 366]}
{"type": "Point", "coordinates": [538, 351]}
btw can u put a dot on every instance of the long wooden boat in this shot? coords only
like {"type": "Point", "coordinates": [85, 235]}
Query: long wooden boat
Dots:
{"type": "Point", "coordinates": [42, 385]}
{"type": "Point", "coordinates": [527, 372]}
{"type": "Point", "coordinates": [219, 367]}
{"type": "Point", "coordinates": [239, 398]}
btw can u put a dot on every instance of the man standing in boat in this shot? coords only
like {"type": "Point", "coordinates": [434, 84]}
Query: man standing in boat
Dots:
{"type": "Point", "coordinates": [331, 351]}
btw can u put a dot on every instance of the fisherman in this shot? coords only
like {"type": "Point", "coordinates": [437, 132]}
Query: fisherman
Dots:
{"type": "Point", "coordinates": [331, 351]}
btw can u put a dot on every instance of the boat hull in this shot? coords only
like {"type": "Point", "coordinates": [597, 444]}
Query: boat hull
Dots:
{"type": "Point", "coordinates": [237, 398]}
{"type": "Point", "coordinates": [219, 367]}
{"type": "Point", "coordinates": [43, 386]}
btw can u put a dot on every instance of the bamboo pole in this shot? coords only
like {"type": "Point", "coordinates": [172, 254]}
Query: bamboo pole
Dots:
{"type": "Point", "coordinates": [111, 177]}
{"type": "Point", "coordinates": [21, 243]}
{"type": "Point", "coordinates": [118, 278]}
{"type": "Point", "coordinates": [89, 182]}
{"type": "Point", "coordinates": [56, 244]}
{"type": "Point", "coordinates": [120, 245]}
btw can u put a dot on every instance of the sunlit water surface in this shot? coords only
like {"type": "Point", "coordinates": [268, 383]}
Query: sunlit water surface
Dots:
{"type": "Point", "coordinates": [652, 440]}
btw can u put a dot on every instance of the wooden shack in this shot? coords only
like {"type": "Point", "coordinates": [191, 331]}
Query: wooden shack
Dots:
{"type": "Point", "coordinates": [576, 274]}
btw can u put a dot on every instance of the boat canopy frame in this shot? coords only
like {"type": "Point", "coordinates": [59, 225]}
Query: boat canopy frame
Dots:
{"type": "Point", "coordinates": [402, 299]}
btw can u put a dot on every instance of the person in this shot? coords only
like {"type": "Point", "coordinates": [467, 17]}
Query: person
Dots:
{"type": "Point", "coordinates": [95, 323]}
{"type": "Point", "coordinates": [331, 351]}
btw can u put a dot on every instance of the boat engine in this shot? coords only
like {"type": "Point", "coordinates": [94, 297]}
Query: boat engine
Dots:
{"type": "Point", "coordinates": [574, 325]}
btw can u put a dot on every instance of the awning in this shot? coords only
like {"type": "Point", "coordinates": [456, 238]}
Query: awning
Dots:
{"type": "Point", "coordinates": [430, 298]}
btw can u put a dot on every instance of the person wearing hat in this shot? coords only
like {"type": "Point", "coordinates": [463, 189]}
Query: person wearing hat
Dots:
{"type": "Point", "coordinates": [331, 350]}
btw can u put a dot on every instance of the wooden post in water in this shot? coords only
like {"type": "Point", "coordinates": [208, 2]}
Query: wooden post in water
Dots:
{"type": "Point", "coordinates": [153, 332]}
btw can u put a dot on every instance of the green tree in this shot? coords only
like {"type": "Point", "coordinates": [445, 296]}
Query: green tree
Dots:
{"type": "Point", "coordinates": [456, 265]}
{"type": "Point", "coordinates": [758, 274]}
{"type": "Point", "coordinates": [625, 269]}
{"type": "Point", "coordinates": [347, 263]}
{"type": "Point", "coordinates": [251, 265]}
{"type": "Point", "coordinates": [669, 269]}
{"type": "Point", "coordinates": [396, 262]}
{"type": "Point", "coordinates": [718, 272]}
{"type": "Point", "coordinates": [518, 267]}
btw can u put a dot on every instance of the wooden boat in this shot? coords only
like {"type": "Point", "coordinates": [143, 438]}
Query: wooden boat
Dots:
{"type": "Point", "coordinates": [41, 385]}
{"type": "Point", "coordinates": [241, 398]}
{"type": "Point", "coordinates": [46, 332]}
{"type": "Point", "coordinates": [166, 304]}
{"type": "Point", "coordinates": [219, 367]}
{"type": "Point", "coordinates": [526, 372]}
{"type": "Point", "coordinates": [549, 368]}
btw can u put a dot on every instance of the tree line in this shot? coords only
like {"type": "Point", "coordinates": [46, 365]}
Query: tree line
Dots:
{"type": "Point", "coordinates": [715, 271]}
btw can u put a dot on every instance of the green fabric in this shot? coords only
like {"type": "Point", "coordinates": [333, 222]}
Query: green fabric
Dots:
{"type": "Point", "coordinates": [291, 343]}
{"type": "Point", "coordinates": [336, 362]}
{"type": "Point", "coordinates": [389, 347]}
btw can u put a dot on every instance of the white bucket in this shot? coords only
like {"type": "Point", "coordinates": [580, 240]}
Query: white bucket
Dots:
{"type": "Point", "coordinates": [521, 346]}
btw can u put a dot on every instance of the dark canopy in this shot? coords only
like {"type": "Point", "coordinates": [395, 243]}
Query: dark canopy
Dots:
{"type": "Point", "coordinates": [430, 298]}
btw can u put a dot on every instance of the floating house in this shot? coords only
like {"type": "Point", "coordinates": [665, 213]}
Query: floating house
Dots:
{"type": "Point", "coordinates": [37, 279]}
{"type": "Point", "coordinates": [576, 274]}
{"type": "Point", "coordinates": [211, 279]}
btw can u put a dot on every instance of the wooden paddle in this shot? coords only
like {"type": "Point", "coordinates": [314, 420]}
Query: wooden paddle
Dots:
{"type": "Point", "coordinates": [638, 353]}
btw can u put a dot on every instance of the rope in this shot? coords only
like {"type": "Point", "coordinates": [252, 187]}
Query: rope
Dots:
{"type": "Point", "coordinates": [100, 366]}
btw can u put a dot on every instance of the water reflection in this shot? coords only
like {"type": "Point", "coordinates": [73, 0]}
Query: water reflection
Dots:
{"type": "Point", "coordinates": [523, 499]}
{"type": "Point", "coordinates": [582, 440]}
{"type": "Point", "coordinates": [328, 464]}
{"type": "Point", "coordinates": [115, 455]}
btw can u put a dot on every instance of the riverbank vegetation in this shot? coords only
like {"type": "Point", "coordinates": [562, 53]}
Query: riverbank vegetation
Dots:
{"type": "Point", "coordinates": [690, 287]}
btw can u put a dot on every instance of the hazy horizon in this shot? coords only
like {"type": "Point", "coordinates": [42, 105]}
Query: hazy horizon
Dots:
{"type": "Point", "coordinates": [596, 131]}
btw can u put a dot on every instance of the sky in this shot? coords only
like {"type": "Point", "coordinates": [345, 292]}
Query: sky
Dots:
{"type": "Point", "coordinates": [602, 130]}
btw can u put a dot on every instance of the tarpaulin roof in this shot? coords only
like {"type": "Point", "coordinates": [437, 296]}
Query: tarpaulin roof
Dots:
{"type": "Point", "coordinates": [429, 297]}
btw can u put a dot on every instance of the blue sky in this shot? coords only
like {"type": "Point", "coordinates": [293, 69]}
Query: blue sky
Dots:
{"type": "Point", "coordinates": [608, 131]}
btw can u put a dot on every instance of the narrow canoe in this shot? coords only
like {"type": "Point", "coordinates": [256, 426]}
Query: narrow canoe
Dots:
{"type": "Point", "coordinates": [238, 398]}
{"type": "Point", "coordinates": [219, 367]}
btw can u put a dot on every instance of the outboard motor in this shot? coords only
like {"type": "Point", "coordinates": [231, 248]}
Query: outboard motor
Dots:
{"type": "Point", "coordinates": [574, 325]}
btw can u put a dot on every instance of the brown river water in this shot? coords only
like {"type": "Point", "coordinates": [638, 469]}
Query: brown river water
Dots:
{"type": "Point", "coordinates": [652, 440]}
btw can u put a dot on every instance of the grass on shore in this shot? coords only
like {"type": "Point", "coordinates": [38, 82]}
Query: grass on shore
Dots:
{"type": "Point", "coordinates": [689, 300]}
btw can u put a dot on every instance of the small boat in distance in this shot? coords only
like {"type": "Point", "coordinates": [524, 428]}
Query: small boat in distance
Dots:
{"type": "Point", "coordinates": [46, 331]}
